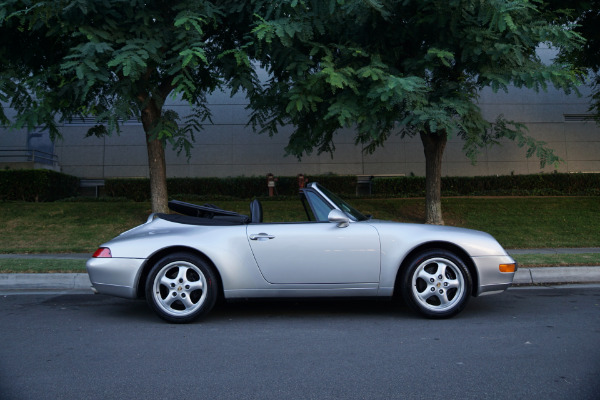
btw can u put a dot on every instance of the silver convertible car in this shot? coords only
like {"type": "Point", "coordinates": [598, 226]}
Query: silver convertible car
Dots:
{"type": "Point", "coordinates": [182, 263]}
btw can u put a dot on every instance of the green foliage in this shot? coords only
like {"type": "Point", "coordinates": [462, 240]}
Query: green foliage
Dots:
{"type": "Point", "coordinates": [410, 186]}
{"type": "Point", "coordinates": [586, 15]}
{"type": "Point", "coordinates": [402, 67]}
{"type": "Point", "coordinates": [118, 59]}
{"type": "Point", "coordinates": [137, 189]}
{"type": "Point", "coordinates": [249, 187]}
{"type": "Point", "coordinates": [36, 185]}
{"type": "Point", "coordinates": [506, 185]}
{"type": "Point", "coordinates": [233, 187]}
{"type": "Point", "coordinates": [115, 60]}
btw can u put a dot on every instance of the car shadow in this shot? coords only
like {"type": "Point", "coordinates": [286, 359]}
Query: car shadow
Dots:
{"type": "Point", "coordinates": [103, 306]}
{"type": "Point", "coordinates": [314, 308]}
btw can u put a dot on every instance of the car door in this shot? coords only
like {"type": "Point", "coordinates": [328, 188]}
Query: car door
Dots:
{"type": "Point", "coordinates": [316, 252]}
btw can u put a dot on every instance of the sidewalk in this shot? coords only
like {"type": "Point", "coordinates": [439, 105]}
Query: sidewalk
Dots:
{"type": "Point", "coordinates": [556, 275]}
{"type": "Point", "coordinates": [80, 281]}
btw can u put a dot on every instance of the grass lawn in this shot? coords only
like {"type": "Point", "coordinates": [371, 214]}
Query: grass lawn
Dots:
{"type": "Point", "coordinates": [556, 260]}
{"type": "Point", "coordinates": [14, 265]}
{"type": "Point", "coordinates": [531, 222]}
{"type": "Point", "coordinates": [65, 227]}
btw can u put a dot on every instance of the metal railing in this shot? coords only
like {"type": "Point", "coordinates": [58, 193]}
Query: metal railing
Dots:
{"type": "Point", "coordinates": [28, 155]}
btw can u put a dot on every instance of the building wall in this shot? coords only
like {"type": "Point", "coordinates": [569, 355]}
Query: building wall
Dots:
{"type": "Point", "coordinates": [229, 148]}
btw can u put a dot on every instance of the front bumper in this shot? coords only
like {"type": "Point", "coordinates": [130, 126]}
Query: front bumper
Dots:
{"type": "Point", "coordinates": [491, 280]}
{"type": "Point", "coordinates": [115, 276]}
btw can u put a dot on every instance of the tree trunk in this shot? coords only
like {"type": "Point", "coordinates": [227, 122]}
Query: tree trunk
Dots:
{"type": "Point", "coordinates": [156, 160]}
{"type": "Point", "coordinates": [158, 176]}
{"type": "Point", "coordinates": [433, 145]}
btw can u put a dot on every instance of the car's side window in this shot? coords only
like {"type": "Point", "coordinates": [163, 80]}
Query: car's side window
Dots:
{"type": "Point", "coordinates": [319, 207]}
{"type": "Point", "coordinates": [307, 209]}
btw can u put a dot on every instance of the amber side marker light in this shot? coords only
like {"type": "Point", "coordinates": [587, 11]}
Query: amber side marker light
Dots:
{"type": "Point", "coordinates": [507, 267]}
{"type": "Point", "coordinates": [102, 252]}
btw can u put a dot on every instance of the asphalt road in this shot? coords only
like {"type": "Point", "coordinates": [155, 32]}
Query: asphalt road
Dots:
{"type": "Point", "coordinates": [530, 343]}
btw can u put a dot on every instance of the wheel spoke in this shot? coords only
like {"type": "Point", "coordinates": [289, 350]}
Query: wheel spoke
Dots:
{"type": "Point", "coordinates": [187, 302]}
{"type": "Point", "coordinates": [182, 274]}
{"type": "Point", "coordinates": [452, 284]}
{"type": "Point", "coordinates": [444, 298]}
{"type": "Point", "coordinates": [426, 276]}
{"type": "Point", "coordinates": [196, 285]}
{"type": "Point", "coordinates": [441, 270]}
{"type": "Point", "coordinates": [166, 281]}
{"type": "Point", "coordinates": [425, 295]}
{"type": "Point", "coordinates": [169, 300]}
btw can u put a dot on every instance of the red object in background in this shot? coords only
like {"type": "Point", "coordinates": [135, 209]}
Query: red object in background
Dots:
{"type": "Point", "coordinates": [271, 184]}
{"type": "Point", "coordinates": [302, 181]}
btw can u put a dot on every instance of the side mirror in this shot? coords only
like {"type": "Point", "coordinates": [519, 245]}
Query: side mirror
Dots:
{"type": "Point", "coordinates": [339, 218]}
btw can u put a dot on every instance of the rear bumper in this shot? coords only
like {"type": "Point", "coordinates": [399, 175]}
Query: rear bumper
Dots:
{"type": "Point", "coordinates": [115, 276]}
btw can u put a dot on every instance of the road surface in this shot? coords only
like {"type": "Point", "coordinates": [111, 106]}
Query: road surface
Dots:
{"type": "Point", "coordinates": [524, 343]}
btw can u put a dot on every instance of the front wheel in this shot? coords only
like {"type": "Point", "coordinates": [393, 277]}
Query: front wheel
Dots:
{"type": "Point", "coordinates": [437, 284]}
{"type": "Point", "coordinates": [181, 287]}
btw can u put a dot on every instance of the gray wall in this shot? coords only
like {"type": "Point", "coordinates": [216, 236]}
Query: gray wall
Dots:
{"type": "Point", "coordinates": [229, 148]}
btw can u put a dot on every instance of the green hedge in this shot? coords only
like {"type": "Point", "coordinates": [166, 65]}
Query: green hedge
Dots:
{"type": "Point", "coordinates": [508, 185]}
{"type": "Point", "coordinates": [46, 185]}
{"type": "Point", "coordinates": [36, 185]}
{"type": "Point", "coordinates": [248, 187]}
{"type": "Point", "coordinates": [239, 187]}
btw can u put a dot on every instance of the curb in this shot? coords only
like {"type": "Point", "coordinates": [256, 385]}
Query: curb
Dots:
{"type": "Point", "coordinates": [81, 281]}
{"type": "Point", "coordinates": [54, 281]}
{"type": "Point", "coordinates": [556, 275]}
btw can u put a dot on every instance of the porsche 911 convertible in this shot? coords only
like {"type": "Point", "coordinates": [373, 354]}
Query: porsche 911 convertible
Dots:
{"type": "Point", "coordinates": [182, 263]}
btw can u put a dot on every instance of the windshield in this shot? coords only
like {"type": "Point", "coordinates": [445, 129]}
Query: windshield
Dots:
{"type": "Point", "coordinates": [342, 205]}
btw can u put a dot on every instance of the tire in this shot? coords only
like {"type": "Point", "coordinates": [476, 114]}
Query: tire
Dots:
{"type": "Point", "coordinates": [181, 288]}
{"type": "Point", "coordinates": [436, 284]}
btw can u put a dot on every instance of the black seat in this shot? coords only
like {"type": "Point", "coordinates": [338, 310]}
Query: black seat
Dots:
{"type": "Point", "coordinates": [256, 213]}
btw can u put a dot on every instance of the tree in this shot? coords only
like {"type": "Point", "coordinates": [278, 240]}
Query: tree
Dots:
{"type": "Point", "coordinates": [586, 15]}
{"type": "Point", "coordinates": [412, 67]}
{"type": "Point", "coordinates": [117, 59]}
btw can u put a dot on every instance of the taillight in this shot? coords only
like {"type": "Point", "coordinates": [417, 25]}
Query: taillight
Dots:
{"type": "Point", "coordinates": [102, 252]}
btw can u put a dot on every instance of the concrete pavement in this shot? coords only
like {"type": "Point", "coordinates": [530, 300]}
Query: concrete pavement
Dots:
{"type": "Point", "coordinates": [55, 281]}
{"type": "Point", "coordinates": [556, 275]}
{"type": "Point", "coordinates": [80, 281]}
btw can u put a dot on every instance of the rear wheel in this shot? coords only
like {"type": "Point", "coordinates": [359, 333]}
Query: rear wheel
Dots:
{"type": "Point", "coordinates": [181, 287]}
{"type": "Point", "coordinates": [437, 284]}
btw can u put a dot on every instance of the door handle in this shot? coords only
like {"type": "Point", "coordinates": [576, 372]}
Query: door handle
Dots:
{"type": "Point", "coordinates": [261, 236]}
